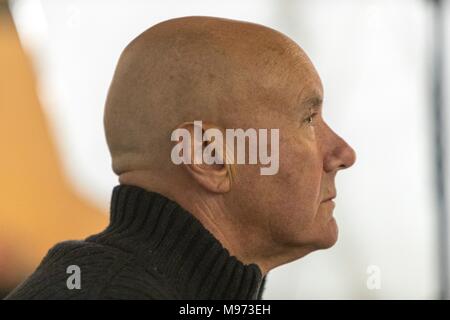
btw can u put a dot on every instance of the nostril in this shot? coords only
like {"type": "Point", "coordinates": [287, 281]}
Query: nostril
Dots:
{"type": "Point", "coordinates": [345, 157]}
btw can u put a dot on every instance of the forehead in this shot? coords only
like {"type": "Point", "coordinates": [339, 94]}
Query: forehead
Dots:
{"type": "Point", "coordinates": [303, 77]}
{"type": "Point", "coordinates": [299, 87]}
{"type": "Point", "coordinates": [308, 85]}
{"type": "Point", "coordinates": [288, 75]}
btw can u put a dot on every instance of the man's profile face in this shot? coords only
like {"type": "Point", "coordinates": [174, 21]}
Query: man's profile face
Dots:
{"type": "Point", "coordinates": [234, 76]}
{"type": "Point", "coordinates": [294, 207]}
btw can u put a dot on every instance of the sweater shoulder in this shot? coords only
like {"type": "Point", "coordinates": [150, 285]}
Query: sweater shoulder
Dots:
{"type": "Point", "coordinates": [72, 269]}
{"type": "Point", "coordinates": [90, 270]}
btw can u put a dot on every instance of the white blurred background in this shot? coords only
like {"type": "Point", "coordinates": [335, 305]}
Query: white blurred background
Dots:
{"type": "Point", "coordinates": [375, 59]}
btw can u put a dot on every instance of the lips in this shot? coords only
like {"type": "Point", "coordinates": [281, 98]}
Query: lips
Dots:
{"type": "Point", "coordinates": [329, 198]}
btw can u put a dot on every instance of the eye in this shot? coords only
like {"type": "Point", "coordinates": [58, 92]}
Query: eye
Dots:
{"type": "Point", "coordinates": [310, 118]}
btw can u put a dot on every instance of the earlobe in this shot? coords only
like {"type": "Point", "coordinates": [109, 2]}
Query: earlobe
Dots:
{"type": "Point", "coordinates": [214, 178]}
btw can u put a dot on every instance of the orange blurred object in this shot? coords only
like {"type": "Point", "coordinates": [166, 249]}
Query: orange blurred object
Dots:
{"type": "Point", "coordinates": [38, 206]}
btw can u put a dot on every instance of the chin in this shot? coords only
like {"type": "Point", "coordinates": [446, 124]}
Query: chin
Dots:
{"type": "Point", "coordinates": [329, 235]}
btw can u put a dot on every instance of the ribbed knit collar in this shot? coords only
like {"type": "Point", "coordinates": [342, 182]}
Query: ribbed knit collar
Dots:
{"type": "Point", "coordinates": [176, 245]}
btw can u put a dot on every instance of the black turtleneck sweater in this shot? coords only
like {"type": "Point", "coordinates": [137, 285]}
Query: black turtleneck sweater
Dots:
{"type": "Point", "coordinates": [152, 249]}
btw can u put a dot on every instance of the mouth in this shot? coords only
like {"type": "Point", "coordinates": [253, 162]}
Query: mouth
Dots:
{"type": "Point", "coordinates": [331, 198]}
{"type": "Point", "coordinates": [328, 204]}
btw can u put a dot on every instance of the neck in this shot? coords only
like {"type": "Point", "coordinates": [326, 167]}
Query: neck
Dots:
{"type": "Point", "coordinates": [214, 217]}
{"type": "Point", "coordinates": [243, 243]}
{"type": "Point", "coordinates": [173, 241]}
{"type": "Point", "coordinates": [212, 213]}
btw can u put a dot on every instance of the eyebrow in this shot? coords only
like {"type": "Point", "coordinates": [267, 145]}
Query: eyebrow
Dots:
{"type": "Point", "coordinates": [314, 102]}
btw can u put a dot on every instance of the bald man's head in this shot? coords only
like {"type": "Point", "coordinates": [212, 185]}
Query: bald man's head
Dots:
{"type": "Point", "coordinates": [229, 74]}
{"type": "Point", "coordinates": [191, 68]}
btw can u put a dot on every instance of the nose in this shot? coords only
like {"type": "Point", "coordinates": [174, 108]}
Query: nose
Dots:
{"type": "Point", "coordinates": [341, 155]}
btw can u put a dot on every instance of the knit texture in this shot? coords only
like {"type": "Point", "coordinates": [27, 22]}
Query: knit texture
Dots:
{"type": "Point", "coordinates": [152, 249]}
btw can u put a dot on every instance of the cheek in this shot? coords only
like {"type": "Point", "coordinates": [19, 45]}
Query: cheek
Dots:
{"type": "Point", "coordinates": [301, 170]}
{"type": "Point", "coordinates": [298, 185]}
{"type": "Point", "coordinates": [286, 203]}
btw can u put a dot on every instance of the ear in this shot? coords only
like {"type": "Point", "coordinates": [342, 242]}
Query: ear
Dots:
{"type": "Point", "coordinates": [207, 165]}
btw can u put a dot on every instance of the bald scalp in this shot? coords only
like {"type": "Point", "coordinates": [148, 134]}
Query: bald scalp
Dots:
{"type": "Point", "coordinates": [193, 68]}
